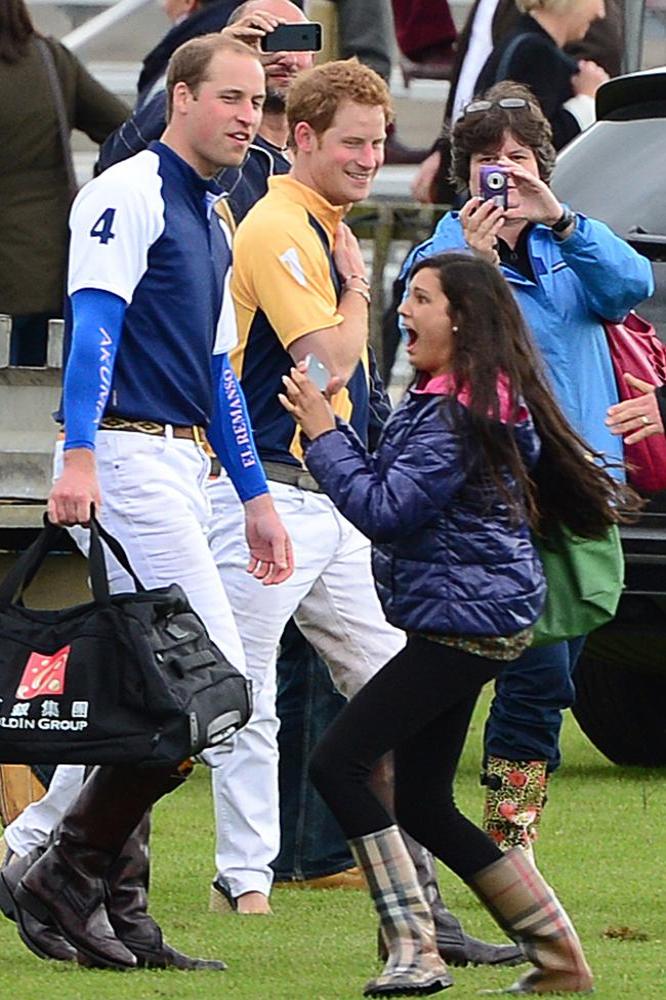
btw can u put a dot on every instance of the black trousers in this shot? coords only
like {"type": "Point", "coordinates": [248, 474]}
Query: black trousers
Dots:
{"type": "Point", "coordinates": [419, 706]}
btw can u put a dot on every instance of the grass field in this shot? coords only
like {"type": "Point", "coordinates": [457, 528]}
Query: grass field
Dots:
{"type": "Point", "coordinates": [603, 847]}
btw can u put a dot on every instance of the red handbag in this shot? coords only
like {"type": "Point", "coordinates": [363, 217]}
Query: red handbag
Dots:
{"type": "Point", "coordinates": [635, 348]}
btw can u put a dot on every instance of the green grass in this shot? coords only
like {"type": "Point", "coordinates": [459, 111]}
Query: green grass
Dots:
{"type": "Point", "coordinates": [602, 846]}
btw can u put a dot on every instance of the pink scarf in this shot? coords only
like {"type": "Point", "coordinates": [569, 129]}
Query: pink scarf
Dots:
{"type": "Point", "coordinates": [444, 385]}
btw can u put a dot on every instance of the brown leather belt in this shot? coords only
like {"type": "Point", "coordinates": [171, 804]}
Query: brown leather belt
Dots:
{"type": "Point", "coordinates": [196, 434]}
{"type": "Point", "coordinates": [291, 475]}
{"type": "Point", "coordinates": [113, 423]}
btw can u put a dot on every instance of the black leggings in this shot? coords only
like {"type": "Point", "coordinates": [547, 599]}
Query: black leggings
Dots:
{"type": "Point", "coordinates": [419, 706]}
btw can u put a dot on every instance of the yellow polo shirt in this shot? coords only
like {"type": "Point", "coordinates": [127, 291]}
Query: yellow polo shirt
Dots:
{"type": "Point", "coordinates": [284, 286]}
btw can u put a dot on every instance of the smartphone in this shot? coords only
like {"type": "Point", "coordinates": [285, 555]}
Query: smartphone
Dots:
{"type": "Point", "coordinates": [494, 184]}
{"type": "Point", "coordinates": [304, 37]}
{"type": "Point", "coordinates": [317, 372]}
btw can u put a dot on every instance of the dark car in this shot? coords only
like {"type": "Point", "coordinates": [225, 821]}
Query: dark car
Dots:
{"type": "Point", "coordinates": [616, 172]}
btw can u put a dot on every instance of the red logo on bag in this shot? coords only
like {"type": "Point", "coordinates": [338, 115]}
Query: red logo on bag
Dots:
{"type": "Point", "coordinates": [44, 674]}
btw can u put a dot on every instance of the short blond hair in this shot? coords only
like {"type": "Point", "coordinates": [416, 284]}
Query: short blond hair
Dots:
{"type": "Point", "coordinates": [191, 61]}
{"type": "Point", "coordinates": [315, 96]}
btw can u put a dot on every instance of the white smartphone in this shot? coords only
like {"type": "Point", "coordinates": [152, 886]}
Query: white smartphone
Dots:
{"type": "Point", "coordinates": [317, 372]}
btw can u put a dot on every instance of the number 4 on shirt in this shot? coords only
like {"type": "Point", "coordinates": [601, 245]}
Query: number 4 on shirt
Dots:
{"type": "Point", "coordinates": [102, 229]}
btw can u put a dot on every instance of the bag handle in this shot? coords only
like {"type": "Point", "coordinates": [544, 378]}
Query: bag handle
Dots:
{"type": "Point", "coordinates": [114, 546]}
{"type": "Point", "coordinates": [64, 130]}
{"type": "Point", "coordinates": [502, 68]}
{"type": "Point", "coordinates": [29, 563]}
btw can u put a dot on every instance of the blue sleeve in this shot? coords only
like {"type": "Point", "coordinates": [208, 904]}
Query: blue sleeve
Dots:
{"type": "Point", "coordinates": [97, 322]}
{"type": "Point", "coordinates": [230, 433]}
{"type": "Point", "coordinates": [615, 277]}
{"type": "Point", "coordinates": [416, 254]}
{"type": "Point", "coordinates": [388, 500]}
{"type": "Point", "coordinates": [145, 124]}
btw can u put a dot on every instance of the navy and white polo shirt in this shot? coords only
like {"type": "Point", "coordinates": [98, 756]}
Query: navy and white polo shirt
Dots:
{"type": "Point", "coordinates": [145, 231]}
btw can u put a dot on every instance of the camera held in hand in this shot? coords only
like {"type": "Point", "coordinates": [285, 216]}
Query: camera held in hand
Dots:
{"type": "Point", "coordinates": [494, 184]}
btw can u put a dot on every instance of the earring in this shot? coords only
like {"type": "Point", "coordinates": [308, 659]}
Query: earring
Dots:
{"type": "Point", "coordinates": [454, 329]}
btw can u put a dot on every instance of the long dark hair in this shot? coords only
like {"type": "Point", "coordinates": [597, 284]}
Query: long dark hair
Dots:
{"type": "Point", "coordinates": [569, 484]}
{"type": "Point", "coordinates": [16, 30]}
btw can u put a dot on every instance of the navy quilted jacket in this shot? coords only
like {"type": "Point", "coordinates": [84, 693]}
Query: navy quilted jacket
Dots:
{"type": "Point", "coordinates": [446, 558]}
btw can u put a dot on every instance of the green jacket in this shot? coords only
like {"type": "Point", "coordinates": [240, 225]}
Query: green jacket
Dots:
{"type": "Point", "coordinates": [34, 196]}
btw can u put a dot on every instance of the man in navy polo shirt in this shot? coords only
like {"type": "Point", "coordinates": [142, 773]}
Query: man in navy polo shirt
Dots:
{"type": "Point", "coordinates": [146, 375]}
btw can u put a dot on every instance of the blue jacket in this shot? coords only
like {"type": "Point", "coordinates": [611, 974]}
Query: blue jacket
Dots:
{"type": "Point", "coordinates": [590, 276]}
{"type": "Point", "coordinates": [446, 558]}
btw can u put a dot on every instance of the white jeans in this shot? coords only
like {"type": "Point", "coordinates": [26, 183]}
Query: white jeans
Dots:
{"type": "Point", "coordinates": [333, 599]}
{"type": "Point", "coordinates": [154, 503]}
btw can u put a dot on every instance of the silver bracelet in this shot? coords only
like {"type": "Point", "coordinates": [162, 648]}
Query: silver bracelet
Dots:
{"type": "Point", "coordinates": [359, 291]}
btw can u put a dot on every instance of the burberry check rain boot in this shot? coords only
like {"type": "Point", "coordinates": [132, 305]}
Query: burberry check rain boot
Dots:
{"type": "Point", "coordinates": [455, 946]}
{"type": "Point", "coordinates": [515, 799]}
{"type": "Point", "coordinates": [414, 967]}
{"type": "Point", "coordinates": [527, 909]}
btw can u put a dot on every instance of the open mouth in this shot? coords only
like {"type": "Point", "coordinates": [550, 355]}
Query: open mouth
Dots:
{"type": "Point", "coordinates": [412, 337]}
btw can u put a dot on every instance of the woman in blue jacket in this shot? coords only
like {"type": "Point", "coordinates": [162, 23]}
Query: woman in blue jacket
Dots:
{"type": "Point", "coordinates": [448, 500]}
{"type": "Point", "coordinates": [567, 273]}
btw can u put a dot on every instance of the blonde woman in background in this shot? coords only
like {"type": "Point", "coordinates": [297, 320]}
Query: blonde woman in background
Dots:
{"type": "Point", "coordinates": [532, 54]}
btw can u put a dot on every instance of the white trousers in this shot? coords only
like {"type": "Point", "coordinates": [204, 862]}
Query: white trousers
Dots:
{"type": "Point", "coordinates": [333, 599]}
{"type": "Point", "coordinates": [154, 503]}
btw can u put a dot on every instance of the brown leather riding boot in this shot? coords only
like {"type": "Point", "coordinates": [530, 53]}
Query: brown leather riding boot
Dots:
{"type": "Point", "coordinates": [42, 939]}
{"type": "Point", "coordinates": [127, 906]}
{"type": "Point", "coordinates": [67, 885]}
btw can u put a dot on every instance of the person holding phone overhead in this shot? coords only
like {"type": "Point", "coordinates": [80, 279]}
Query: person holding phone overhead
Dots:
{"type": "Point", "coordinates": [304, 37]}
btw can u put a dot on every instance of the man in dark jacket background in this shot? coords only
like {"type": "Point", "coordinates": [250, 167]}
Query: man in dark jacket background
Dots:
{"type": "Point", "coordinates": [190, 18]}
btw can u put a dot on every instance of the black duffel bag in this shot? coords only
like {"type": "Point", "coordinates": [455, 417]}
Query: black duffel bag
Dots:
{"type": "Point", "coordinates": [129, 678]}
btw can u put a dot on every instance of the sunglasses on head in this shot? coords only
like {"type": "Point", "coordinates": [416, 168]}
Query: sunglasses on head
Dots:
{"type": "Point", "coordinates": [507, 103]}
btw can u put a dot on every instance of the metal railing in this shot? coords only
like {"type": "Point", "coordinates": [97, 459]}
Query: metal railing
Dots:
{"type": "Point", "coordinates": [87, 32]}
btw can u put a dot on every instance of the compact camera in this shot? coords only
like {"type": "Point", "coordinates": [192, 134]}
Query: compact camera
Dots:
{"type": "Point", "coordinates": [494, 184]}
